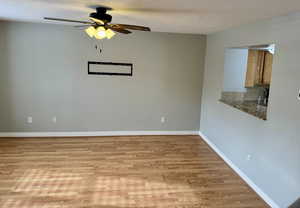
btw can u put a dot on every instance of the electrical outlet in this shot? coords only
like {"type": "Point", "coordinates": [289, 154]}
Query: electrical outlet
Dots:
{"type": "Point", "coordinates": [54, 119]}
{"type": "Point", "coordinates": [29, 119]}
{"type": "Point", "coordinates": [162, 119]}
{"type": "Point", "coordinates": [249, 157]}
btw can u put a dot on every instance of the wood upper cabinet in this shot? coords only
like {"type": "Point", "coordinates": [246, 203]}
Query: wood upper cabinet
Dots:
{"type": "Point", "coordinates": [259, 68]}
{"type": "Point", "coordinates": [268, 68]}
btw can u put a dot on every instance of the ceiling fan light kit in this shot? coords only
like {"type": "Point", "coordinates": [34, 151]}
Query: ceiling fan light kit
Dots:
{"type": "Point", "coordinates": [99, 32]}
{"type": "Point", "coordinates": [100, 27]}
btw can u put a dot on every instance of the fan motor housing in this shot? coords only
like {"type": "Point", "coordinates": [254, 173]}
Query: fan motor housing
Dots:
{"type": "Point", "coordinates": [101, 15]}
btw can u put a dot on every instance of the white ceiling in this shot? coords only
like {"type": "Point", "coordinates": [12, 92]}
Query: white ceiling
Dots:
{"type": "Point", "coordinates": [182, 16]}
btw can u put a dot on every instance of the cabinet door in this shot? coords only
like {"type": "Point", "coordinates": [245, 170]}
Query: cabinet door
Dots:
{"type": "Point", "coordinates": [267, 68]}
{"type": "Point", "coordinates": [259, 74]}
{"type": "Point", "coordinates": [251, 68]}
{"type": "Point", "coordinates": [255, 68]}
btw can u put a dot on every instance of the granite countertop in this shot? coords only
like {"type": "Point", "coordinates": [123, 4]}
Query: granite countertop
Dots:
{"type": "Point", "coordinates": [249, 107]}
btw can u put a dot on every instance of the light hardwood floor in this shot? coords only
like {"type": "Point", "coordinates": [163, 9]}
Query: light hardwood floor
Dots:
{"type": "Point", "coordinates": [118, 172]}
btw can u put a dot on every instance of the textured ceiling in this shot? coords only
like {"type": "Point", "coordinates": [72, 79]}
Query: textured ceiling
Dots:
{"type": "Point", "coordinates": [189, 16]}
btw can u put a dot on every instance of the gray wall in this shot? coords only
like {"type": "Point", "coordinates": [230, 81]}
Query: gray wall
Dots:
{"type": "Point", "coordinates": [43, 73]}
{"type": "Point", "coordinates": [235, 67]}
{"type": "Point", "coordinates": [274, 144]}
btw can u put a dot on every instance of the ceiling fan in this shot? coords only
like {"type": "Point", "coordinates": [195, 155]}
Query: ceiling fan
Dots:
{"type": "Point", "coordinates": [99, 25]}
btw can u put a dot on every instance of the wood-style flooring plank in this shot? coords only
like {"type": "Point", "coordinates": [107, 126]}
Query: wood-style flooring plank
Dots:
{"type": "Point", "coordinates": [118, 172]}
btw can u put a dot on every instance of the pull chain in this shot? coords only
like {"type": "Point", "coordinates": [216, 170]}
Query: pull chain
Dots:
{"type": "Point", "coordinates": [99, 47]}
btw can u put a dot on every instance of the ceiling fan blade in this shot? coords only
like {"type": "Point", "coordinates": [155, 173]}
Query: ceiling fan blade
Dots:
{"type": "Point", "coordinates": [81, 26]}
{"type": "Point", "coordinates": [117, 28]}
{"type": "Point", "coordinates": [134, 27]}
{"type": "Point", "coordinates": [140, 10]}
{"type": "Point", "coordinates": [98, 21]}
{"type": "Point", "coordinates": [66, 20]}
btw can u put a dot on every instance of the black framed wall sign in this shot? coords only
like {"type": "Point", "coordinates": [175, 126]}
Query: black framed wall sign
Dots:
{"type": "Point", "coordinates": [110, 68]}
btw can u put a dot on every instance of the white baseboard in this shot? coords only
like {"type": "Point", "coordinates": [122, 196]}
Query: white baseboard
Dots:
{"type": "Point", "coordinates": [260, 192]}
{"type": "Point", "coordinates": [94, 133]}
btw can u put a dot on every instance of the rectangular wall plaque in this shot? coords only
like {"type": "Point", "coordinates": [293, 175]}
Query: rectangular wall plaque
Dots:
{"type": "Point", "coordinates": [109, 68]}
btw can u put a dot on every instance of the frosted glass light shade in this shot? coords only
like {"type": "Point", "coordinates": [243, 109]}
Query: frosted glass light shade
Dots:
{"type": "Point", "coordinates": [100, 33]}
{"type": "Point", "coordinates": [91, 31]}
{"type": "Point", "coordinates": [109, 33]}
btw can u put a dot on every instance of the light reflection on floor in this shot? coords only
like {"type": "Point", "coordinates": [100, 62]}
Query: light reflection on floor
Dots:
{"type": "Point", "coordinates": [49, 183]}
{"type": "Point", "coordinates": [57, 189]}
{"type": "Point", "coordinates": [130, 192]}
{"type": "Point", "coordinates": [27, 203]}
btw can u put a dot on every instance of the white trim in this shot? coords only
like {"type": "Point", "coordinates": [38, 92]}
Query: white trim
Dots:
{"type": "Point", "coordinates": [258, 190]}
{"type": "Point", "coordinates": [94, 133]}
